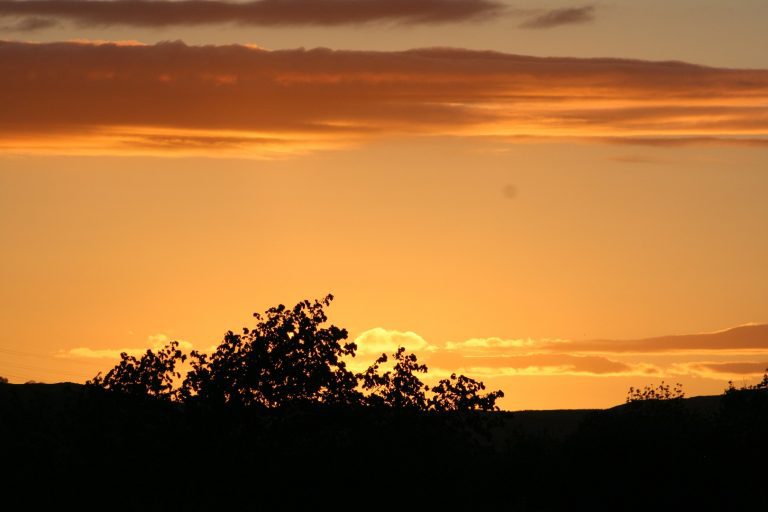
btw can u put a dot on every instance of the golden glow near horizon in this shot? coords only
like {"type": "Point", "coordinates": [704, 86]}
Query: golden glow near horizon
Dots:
{"type": "Point", "coordinates": [560, 225]}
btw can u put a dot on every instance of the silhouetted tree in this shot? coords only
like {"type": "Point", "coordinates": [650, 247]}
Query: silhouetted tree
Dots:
{"type": "Point", "coordinates": [151, 375]}
{"type": "Point", "coordinates": [399, 388]}
{"type": "Point", "coordinates": [290, 357]}
{"type": "Point", "coordinates": [3, 380]}
{"type": "Point", "coordinates": [661, 392]}
{"type": "Point", "coordinates": [462, 394]}
{"type": "Point", "coordinates": [287, 358]}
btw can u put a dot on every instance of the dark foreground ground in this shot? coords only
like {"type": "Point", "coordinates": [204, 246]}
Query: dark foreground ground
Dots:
{"type": "Point", "coordinates": [63, 445]}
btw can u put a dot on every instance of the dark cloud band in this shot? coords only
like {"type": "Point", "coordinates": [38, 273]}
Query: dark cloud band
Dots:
{"type": "Point", "coordinates": [236, 94]}
{"type": "Point", "coordinates": [161, 13]}
{"type": "Point", "coordinates": [560, 17]}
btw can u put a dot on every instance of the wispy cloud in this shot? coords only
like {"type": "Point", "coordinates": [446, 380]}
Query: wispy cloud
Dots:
{"type": "Point", "coordinates": [737, 353]}
{"type": "Point", "coordinates": [722, 370]}
{"type": "Point", "coordinates": [559, 17]}
{"type": "Point", "coordinates": [491, 343]}
{"type": "Point", "coordinates": [29, 24]}
{"type": "Point", "coordinates": [722, 355]}
{"type": "Point", "coordinates": [538, 364]}
{"type": "Point", "coordinates": [173, 97]}
{"type": "Point", "coordinates": [745, 338]}
{"type": "Point", "coordinates": [154, 342]}
{"type": "Point", "coordinates": [161, 13]}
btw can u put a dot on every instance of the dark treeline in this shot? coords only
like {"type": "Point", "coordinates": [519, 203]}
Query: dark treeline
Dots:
{"type": "Point", "coordinates": [265, 438]}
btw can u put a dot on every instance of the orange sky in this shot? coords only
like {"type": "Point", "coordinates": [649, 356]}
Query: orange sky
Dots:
{"type": "Point", "coordinates": [493, 212]}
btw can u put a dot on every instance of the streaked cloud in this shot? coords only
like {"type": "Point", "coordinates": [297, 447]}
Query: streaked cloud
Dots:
{"type": "Point", "coordinates": [29, 24]}
{"type": "Point", "coordinates": [745, 368]}
{"type": "Point", "coordinates": [162, 13]}
{"type": "Point", "coordinates": [538, 364]}
{"type": "Point", "coordinates": [736, 353]}
{"type": "Point", "coordinates": [751, 338]}
{"type": "Point", "coordinates": [170, 97]}
{"type": "Point", "coordinates": [718, 355]}
{"type": "Point", "coordinates": [485, 343]}
{"type": "Point", "coordinates": [721, 370]}
{"type": "Point", "coordinates": [559, 17]}
{"type": "Point", "coordinates": [745, 338]}
{"type": "Point", "coordinates": [671, 142]}
{"type": "Point", "coordinates": [154, 342]}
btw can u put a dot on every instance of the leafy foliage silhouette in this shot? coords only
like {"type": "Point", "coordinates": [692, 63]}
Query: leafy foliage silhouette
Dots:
{"type": "Point", "coordinates": [151, 375]}
{"type": "Point", "coordinates": [463, 394]}
{"type": "Point", "coordinates": [286, 358]}
{"type": "Point", "coordinates": [290, 358]}
{"type": "Point", "coordinates": [661, 392]}
{"type": "Point", "coordinates": [3, 380]}
{"type": "Point", "coordinates": [400, 388]}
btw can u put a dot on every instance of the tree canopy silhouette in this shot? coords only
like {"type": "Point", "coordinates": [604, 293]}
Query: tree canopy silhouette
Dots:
{"type": "Point", "coordinates": [291, 357]}
{"type": "Point", "coordinates": [286, 358]}
{"type": "Point", "coordinates": [463, 394]}
{"type": "Point", "coordinates": [400, 388]}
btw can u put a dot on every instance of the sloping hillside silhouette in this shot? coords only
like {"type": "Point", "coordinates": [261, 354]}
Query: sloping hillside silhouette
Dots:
{"type": "Point", "coordinates": [243, 429]}
{"type": "Point", "coordinates": [88, 447]}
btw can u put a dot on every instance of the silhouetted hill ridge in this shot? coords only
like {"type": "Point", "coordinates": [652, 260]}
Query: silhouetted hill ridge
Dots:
{"type": "Point", "coordinates": [89, 448]}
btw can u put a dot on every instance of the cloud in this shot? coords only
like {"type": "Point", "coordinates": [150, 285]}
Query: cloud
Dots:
{"type": "Point", "coordinates": [636, 159]}
{"type": "Point", "coordinates": [498, 357]}
{"type": "Point", "coordinates": [30, 24]}
{"type": "Point", "coordinates": [558, 17]}
{"type": "Point", "coordinates": [492, 342]}
{"type": "Point", "coordinates": [672, 142]}
{"type": "Point", "coordinates": [742, 368]}
{"type": "Point", "coordinates": [721, 370]}
{"type": "Point", "coordinates": [379, 340]}
{"type": "Point", "coordinates": [170, 97]}
{"type": "Point", "coordinates": [538, 364]}
{"type": "Point", "coordinates": [161, 13]}
{"type": "Point", "coordinates": [154, 342]}
{"type": "Point", "coordinates": [745, 338]}
{"type": "Point", "coordinates": [374, 342]}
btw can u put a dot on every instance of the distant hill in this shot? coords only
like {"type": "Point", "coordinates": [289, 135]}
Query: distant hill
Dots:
{"type": "Point", "coordinates": [67, 444]}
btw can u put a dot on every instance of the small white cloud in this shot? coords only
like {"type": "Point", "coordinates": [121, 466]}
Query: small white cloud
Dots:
{"type": "Point", "coordinates": [155, 342]}
{"type": "Point", "coordinates": [379, 340]}
{"type": "Point", "coordinates": [90, 353]}
{"type": "Point", "coordinates": [493, 342]}
{"type": "Point", "coordinates": [374, 342]}
{"type": "Point", "coordinates": [157, 338]}
{"type": "Point", "coordinates": [550, 370]}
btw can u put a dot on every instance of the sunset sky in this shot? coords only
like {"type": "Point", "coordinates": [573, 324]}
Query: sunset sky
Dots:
{"type": "Point", "coordinates": [561, 199]}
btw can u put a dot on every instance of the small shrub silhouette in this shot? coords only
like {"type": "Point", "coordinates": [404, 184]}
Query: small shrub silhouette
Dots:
{"type": "Point", "coordinates": [762, 385]}
{"type": "Point", "coordinates": [661, 392]}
